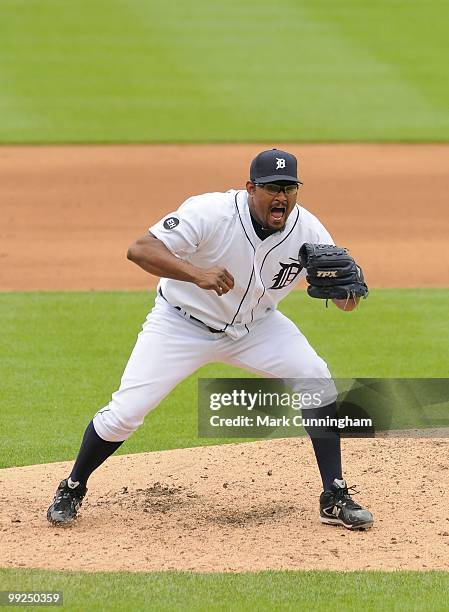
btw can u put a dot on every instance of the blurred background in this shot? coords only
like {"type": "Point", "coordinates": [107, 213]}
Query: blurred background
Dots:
{"type": "Point", "coordinates": [236, 71]}
{"type": "Point", "coordinates": [357, 90]}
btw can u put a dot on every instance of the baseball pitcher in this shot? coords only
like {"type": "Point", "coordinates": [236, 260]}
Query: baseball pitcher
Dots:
{"type": "Point", "coordinates": [225, 261]}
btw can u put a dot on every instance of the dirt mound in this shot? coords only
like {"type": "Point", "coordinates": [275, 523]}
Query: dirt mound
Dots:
{"type": "Point", "coordinates": [238, 507]}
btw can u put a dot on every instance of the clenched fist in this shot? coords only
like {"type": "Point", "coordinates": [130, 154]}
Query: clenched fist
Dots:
{"type": "Point", "coordinates": [216, 279]}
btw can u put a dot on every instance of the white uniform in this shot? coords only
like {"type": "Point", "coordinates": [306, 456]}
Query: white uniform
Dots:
{"type": "Point", "coordinates": [215, 229]}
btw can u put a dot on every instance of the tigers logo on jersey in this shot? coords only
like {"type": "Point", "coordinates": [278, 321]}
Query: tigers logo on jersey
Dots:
{"type": "Point", "coordinates": [286, 275]}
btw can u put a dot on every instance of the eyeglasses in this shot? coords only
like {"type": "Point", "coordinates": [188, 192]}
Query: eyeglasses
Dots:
{"type": "Point", "coordinates": [274, 189]}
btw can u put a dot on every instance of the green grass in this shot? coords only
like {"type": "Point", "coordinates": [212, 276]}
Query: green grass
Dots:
{"type": "Point", "coordinates": [312, 590]}
{"type": "Point", "coordinates": [210, 71]}
{"type": "Point", "coordinates": [62, 355]}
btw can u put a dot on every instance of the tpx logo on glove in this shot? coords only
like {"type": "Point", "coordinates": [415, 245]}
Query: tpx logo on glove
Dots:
{"type": "Point", "coordinates": [327, 273]}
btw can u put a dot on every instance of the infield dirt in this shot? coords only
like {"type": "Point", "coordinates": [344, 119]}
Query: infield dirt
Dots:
{"type": "Point", "coordinates": [68, 215]}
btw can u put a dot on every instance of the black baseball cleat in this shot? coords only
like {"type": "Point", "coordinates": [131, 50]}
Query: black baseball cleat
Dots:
{"type": "Point", "coordinates": [338, 508]}
{"type": "Point", "coordinates": [66, 503]}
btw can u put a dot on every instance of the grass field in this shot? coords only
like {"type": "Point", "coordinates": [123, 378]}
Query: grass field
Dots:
{"type": "Point", "coordinates": [208, 71]}
{"type": "Point", "coordinates": [353, 591]}
{"type": "Point", "coordinates": [63, 354]}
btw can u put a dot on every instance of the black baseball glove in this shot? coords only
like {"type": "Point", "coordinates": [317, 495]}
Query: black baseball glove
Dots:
{"type": "Point", "coordinates": [331, 272]}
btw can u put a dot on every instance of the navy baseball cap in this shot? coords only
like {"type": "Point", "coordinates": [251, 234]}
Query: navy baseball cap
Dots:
{"type": "Point", "coordinates": [274, 165]}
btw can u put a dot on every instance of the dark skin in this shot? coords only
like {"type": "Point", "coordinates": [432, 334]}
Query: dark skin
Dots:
{"type": "Point", "coordinates": [263, 206]}
{"type": "Point", "coordinates": [153, 256]}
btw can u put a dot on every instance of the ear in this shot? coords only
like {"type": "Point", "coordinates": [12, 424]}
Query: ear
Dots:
{"type": "Point", "coordinates": [250, 187]}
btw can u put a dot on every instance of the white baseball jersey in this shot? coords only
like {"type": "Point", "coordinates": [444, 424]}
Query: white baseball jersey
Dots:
{"type": "Point", "coordinates": [215, 229]}
{"type": "Point", "coordinates": [207, 230]}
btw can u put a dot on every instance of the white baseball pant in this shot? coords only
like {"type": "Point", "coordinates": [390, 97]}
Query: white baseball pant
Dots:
{"type": "Point", "coordinates": [171, 346]}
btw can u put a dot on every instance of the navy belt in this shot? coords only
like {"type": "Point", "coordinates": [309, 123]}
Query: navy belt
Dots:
{"type": "Point", "coordinates": [211, 329]}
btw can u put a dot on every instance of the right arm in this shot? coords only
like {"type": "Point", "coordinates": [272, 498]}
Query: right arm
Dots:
{"type": "Point", "coordinates": [153, 256]}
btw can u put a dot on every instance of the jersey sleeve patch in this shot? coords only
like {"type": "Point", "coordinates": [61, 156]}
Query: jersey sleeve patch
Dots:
{"type": "Point", "coordinates": [170, 223]}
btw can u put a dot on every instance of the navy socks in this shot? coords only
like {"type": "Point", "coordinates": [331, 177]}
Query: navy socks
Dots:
{"type": "Point", "coordinates": [326, 444]}
{"type": "Point", "coordinates": [93, 452]}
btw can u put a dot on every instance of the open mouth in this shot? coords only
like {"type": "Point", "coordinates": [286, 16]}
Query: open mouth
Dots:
{"type": "Point", "coordinates": [277, 212]}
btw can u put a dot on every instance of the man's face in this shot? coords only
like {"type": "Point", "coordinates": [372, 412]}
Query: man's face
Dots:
{"type": "Point", "coordinates": [271, 210]}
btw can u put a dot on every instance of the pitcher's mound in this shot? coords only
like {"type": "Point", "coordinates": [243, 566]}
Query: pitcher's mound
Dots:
{"type": "Point", "coordinates": [238, 507]}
